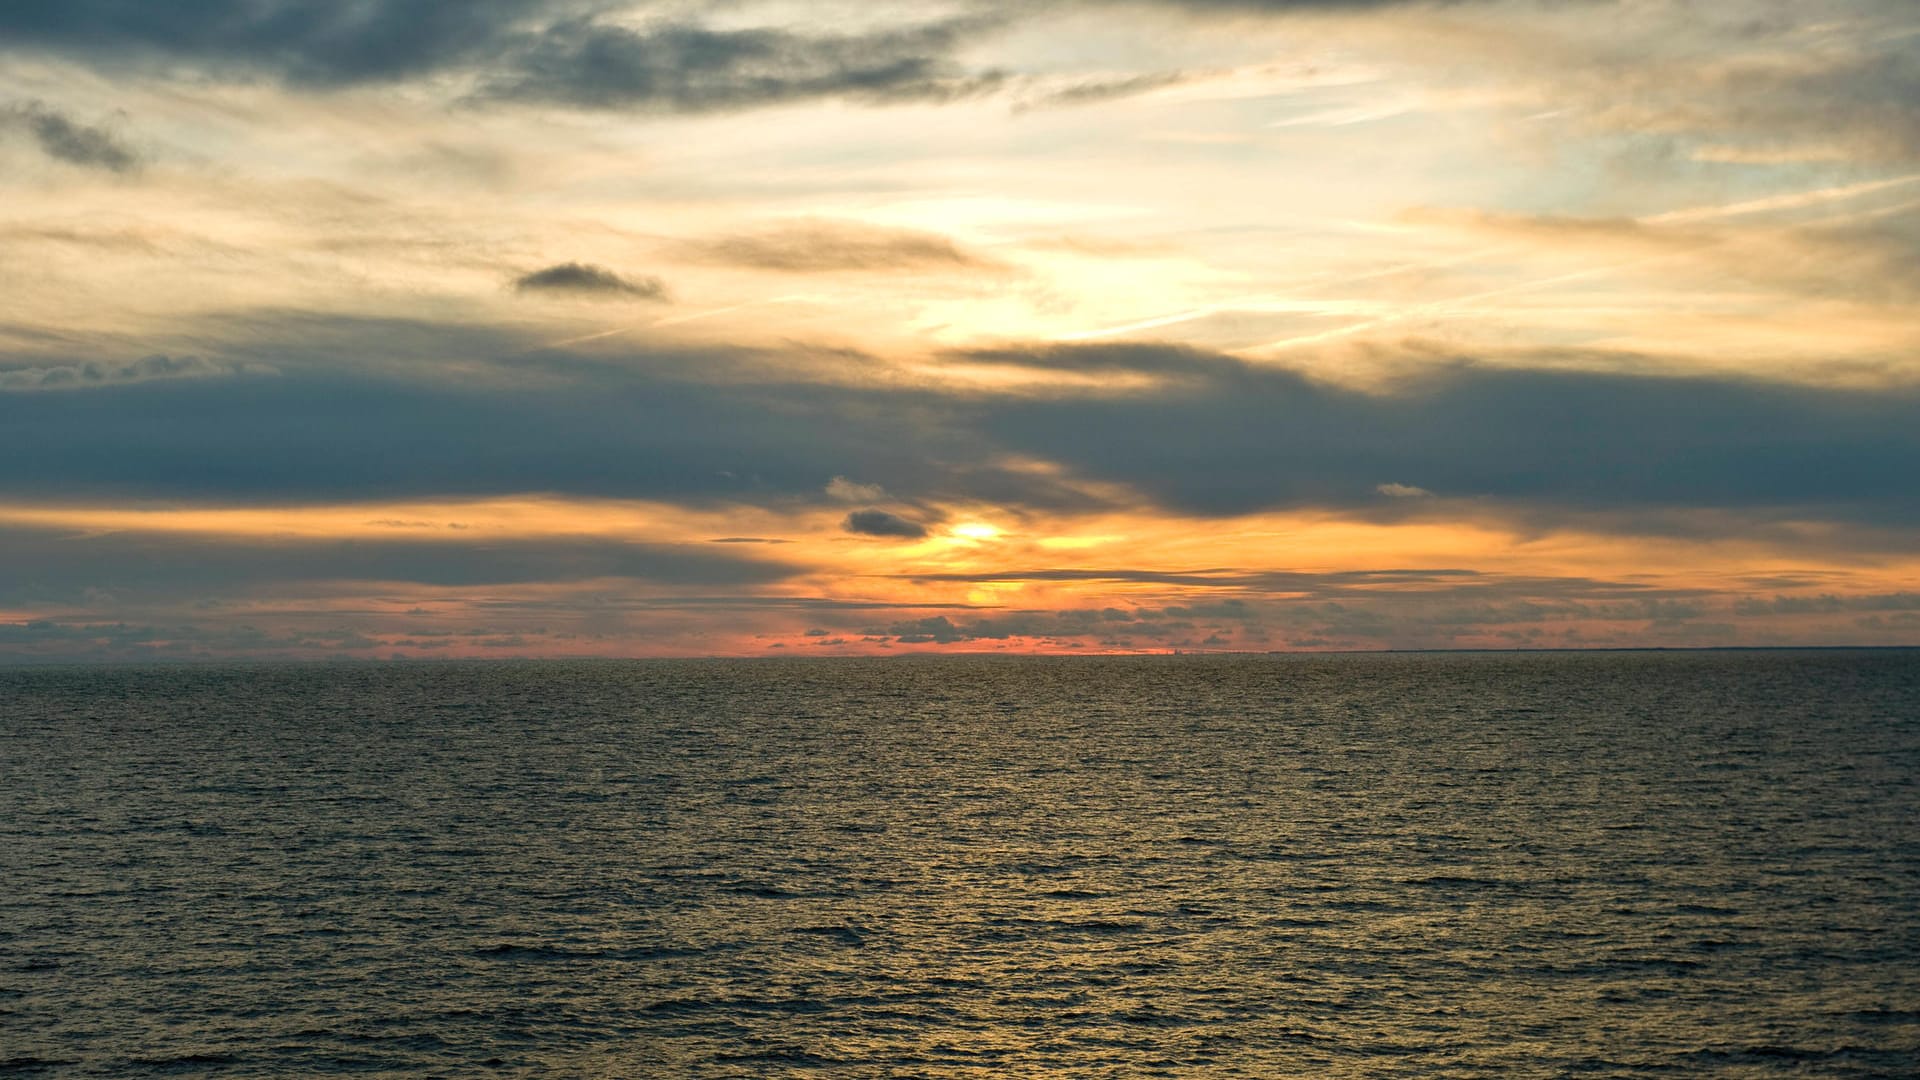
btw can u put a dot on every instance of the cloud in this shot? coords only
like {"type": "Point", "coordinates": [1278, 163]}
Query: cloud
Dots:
{"type": "Point", "coordinates": [1094, 90]}
{"type": "Point", "coordinates": [882, 523]}
{"type": "Point", "coordinates": [538, 51]}
{"type": "Point", "coordinates": [938, 629]}
{"type": "Point", "coordinates": [91, 373]}
{"type": "Point", "coordinates": [1401, 491]}
{"type": "Point", "coordinates": [303, 42]}
{"type": "Point", "coordinates": [826, 246]}
{"type": "Point", "coordinates": [1736, 82]}
{"type": "Point", "coordinates": [1450, 584]}
{"type": "Point", "coordinates": [687, 68]}
{"type": "Point", "coordinates": [647, 424]}
{"type": "Point", "coordinates": [588, 280]}
{"type": "Point", "coordinates": [1221, 436]}
{"type": "Point", "coordinates": [97, 640]}
{"type": "Point", "coordinates": [167, 565]}
{"type": "Point", "coordinates": [1211, 436]}
{"type": "Point", "coordinates": [65, 139]}
{"type": "Point", "coordinates": [1827, 603]}
{"type": "Point", "coordinates": [841, 489]}
{"type": "Point", "coordinates": [1273, 6]}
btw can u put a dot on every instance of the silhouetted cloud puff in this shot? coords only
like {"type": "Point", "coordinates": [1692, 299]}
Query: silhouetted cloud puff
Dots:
{"type": "Point", "coordinates": [585, 278]}
{"type": "Point", "coordinates": [820, 246]}
{"type": "Point", "coordinates": [881, 523]}
{"type": "Point", "coordinates": [66, 139]}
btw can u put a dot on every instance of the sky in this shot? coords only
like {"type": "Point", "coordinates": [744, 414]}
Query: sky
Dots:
{"type": "Point", "coordinates": [399, 328]}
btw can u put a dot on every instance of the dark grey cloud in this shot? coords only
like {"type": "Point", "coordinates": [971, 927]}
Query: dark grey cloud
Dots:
{"type": "Point", "coordinates": [588, 280]}
{"type": "Point", "coordinates": [574, 53]}
{"type": "Point", "coordinates": [65, 139]}
{"type": "Point", "coordinates": [882, 523]}
{"type": "Point", "coordinates": [824, 246]}
{"type": "Point", "coordinates": [391, 408]}
{"type": "Point", "coordinates": [97, 640]}
{"type": "Point", "coordinates": [548, 51]}
{"type": "Point", "coordinates": [1828, 603]}
{"type": "Point", "coordinates": [591, 64]}
{"type": "Point", "coordinates": [1319, 610]}
{"type": "Point", "coordinates": [1223, 436]}
{"type": "Point", "coordinates": [89, 373]}
{"type": "Point", "coordinates": [299, 40]}
{"type": "Point", "coordinates": [355, 413]}
{"type": "Point", "coordinates": [57, 566]}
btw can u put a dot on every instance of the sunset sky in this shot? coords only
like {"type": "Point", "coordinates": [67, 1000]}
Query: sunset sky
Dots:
{"type": "Point", "coordinates": [596, 328]}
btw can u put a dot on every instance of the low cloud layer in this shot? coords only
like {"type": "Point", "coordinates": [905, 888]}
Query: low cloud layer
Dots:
{"type": "Point", "coordinates": [1228, 437]}
{"type": "Point", "coordinates": [93, 373]}
{"type": "Point", "coordinates": [65, 568]}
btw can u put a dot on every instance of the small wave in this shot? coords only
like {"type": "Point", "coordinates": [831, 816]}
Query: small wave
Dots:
{"type": "Point", "coordinates": [1456, 881]}
{"type": "Point", "coordinates": [1775, 1052]}
{"type": "Point", "coordinates": [846, 935]}
{"type": "Point", "coordinates": [510, 951]}
{"type": "Point", "coordinates": [190, 1062]}
{"type": "Point", "coordinates": [1103, 927]}
{"type": "Point", "coordinates": [1887, 1016]}
{"type": "Point", "coordinates": [32, 1064]}
{"type": "Point", "coordinates": [780, 1056]}
{"type": "Point", "coordinates": [764, 891]}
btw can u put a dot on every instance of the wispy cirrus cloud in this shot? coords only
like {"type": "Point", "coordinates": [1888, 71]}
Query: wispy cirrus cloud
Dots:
{"type": "Point", "coordinates": [820, 246]}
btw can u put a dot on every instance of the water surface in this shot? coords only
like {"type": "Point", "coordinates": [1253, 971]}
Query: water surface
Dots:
{"type": "Point", "coordinates": [1679, 864]}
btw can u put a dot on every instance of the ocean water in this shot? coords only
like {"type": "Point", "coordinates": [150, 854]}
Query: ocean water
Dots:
{"type": "Point", "coordinates": [1651, 864]}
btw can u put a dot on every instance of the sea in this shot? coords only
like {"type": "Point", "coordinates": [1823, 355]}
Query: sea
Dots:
{"type": "Point", "coordinates": [1692, 864]}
